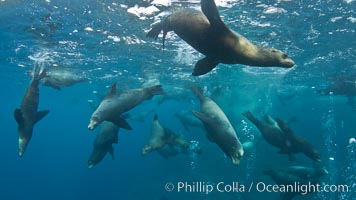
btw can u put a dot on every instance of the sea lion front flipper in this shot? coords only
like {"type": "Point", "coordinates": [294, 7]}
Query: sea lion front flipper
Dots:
{"type": "Point", "coordinates": [122, 123]}
{"type": "Point", "coordinates": [200, 116]}
{"type": "Point", "coordinates": [18, 116]}
{"type": "Point", "coordinates": [211, 12]}
{"type": "Point", "coordinates": [111, 152]}
{"type": "Point", "coordinates": [112, 91]}
{"type": "Point", "coordinates": [204, 66]}
{"type": "Point", "coordinates": [41, 114]}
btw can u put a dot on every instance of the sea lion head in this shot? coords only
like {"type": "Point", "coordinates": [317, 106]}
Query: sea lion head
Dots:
{"type": "Point", "coordinates": [269, 57]}
{"type": "Point", "coordinates": [281, 58]}
{"type": "Point", "coordinates": [314, 155]}
{"type": "Point", "coordinates": [237, 156]}
{"type": "Point", "coordinates": [94, 121]}
{"type": "Point", "coordinates": [22, 146]}
{"type": "Point", "coordinates": [147, 149]}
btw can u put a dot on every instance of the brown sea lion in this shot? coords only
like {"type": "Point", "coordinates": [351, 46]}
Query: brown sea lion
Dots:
{"type": "Point", "coordinates": [27, 116]}
{"type": "Point", "coordinates": [277, 133]}
{"type": "Point", "coordinates": [115, 104]}
{"type": "Point", "coordinates": [160, 136]}
{"type": "Point", "coordinates": [218, 127]}
{"type": "Point", "coordinates": [207, 33]}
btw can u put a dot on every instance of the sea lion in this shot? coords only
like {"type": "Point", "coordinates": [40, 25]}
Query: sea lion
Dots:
{"type": "Point", "coordinates": [207, 33]}
{"type": "Point", "coordinates": [188, 120]}
{"type": "Point", "coordinates": [218, 127]}
{"type": "Point", "coordinates": [27, 116]}
{"type": "Point", "coordinates": [299, 144]}
{"type": "Point", "coordinates": [115, 104]}
{"type": "Point", "coordinates": [157, 137]}
{"type": "Point", "coordinates": [160, 136]}
{"type": "Point", "coordinates": [107, 136]}
{"type": "Point", "coordinates": [342, 86]}
{"type": "Point", "coordinates": [296, 175]}
{"type": "Point", "coordinates": [58, 78]}
{"type": "Point", "coordinates": [277, 133]}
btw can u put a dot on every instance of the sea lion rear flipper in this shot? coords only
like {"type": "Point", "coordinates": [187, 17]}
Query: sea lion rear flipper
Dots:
{"type": "Point", "coordinates": [204, 66]}
{"type": "Point", "coordinates": [211, 12]}
{"type": "Point", "coordinates": [41, 114]}
{"type": "Point", "coordinates": [18, 116]}
{"type": "Point", "coordinates": [122, 123]}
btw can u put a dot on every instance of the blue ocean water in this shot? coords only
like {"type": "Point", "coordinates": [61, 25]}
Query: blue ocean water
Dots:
{"type": "Point", "coordinates": [105, 42]}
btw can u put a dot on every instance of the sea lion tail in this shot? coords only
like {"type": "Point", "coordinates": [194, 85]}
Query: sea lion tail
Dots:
{"type": "Point", "coordinates": [198, 91]}
{"type": "Point", "coordinates": [155, 30]}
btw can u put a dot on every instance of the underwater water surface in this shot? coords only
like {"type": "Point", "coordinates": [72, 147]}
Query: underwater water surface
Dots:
{"type": "Point", "coordinates": [105, 42]}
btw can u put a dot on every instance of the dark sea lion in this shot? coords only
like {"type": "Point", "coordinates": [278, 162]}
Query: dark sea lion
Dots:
{"type": "Point", "coordinates": [296, 175]}
{"type": "Point", "coordinates": [115, 104]}
{"type": "Point", "coordinates": [299, 144]}
{"type": "Point", "coordinates": [27, 116]}
{"type": "Point", "coordinates": [59, 78]}
{"type": "Point", "coordinates": [270, 131]}
{"type": "Point", "coordinates": [207, 33]}
{"type": "Point", "coordinates": [218, 127]}
{"type": "Point", "coordinates": [277, 133]}
{"type": "Point", "coordinates": [103, 142]}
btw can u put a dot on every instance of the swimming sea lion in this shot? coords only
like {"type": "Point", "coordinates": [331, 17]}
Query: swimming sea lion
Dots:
{"type": "Point", "coordinates": [296, 175]}
{"type": "Point", "coordinates": [59, 78]}
{"type": "Point", "coordinates": [299, 144]}
{"type": "Point", "coordinates": [207, 33]}
{"type": "Point", "coordinates": [218, 127]}
{"type": "Point", "coordinates": [107, 136]}
{"type": "Point", "coordinates": [115, 104]}
{"type": "Point", "coordinates": [188, 120]}
{"type": "Point", "coordinates": [270, 131]}
{"type": "Point", "coordinates": [27, 116]}
{"type": "Point", "coordinates": [160, 136]}
{"type": "Point", "coordinates": [157, 138]}
{"type": "Point", "coordinates": [278, 134]}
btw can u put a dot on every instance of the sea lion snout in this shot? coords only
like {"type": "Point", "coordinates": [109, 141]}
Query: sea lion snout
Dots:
{"type": "Point", "coordinates": [92, 124]}
{"type": "Point", "coordinates": [288, 63]}
{"type": "Point", "coordinates": [236, 158]}
{"type": "Point", "coordinates": [147, 149]}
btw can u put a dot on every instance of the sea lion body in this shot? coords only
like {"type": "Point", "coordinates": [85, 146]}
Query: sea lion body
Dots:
{"type": "Point", "coordinates": [218, 127]}
{"type": "Point", "coordinates": [207, 33]}
{"type": "Point", "coordinates": [114, 105]}
{"type": "Point", "coordinates": [299, 144]}
{"type": "Point", "coordinates": [160, 136]}
{"type": "Point", "coordinates": [103, 142]}
{"type": "Point", "coordinates": [62, 78]}
{"type": "Point", "coordinates": [296, 175]}
{"type": "Point", "coordinates": [27, 116]}
{"type": "Point", "coordinates": [157, 137]}
{"type": "Point", "coordinates": [270, 131]}
{"type": "Point", "coordinates": [277, 133]}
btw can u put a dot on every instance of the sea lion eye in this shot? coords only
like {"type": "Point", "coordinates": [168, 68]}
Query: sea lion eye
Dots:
{"type": "Point", "coordinates": [274, 51]}
{"type": "Point", "coordinates": [284, 56]}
